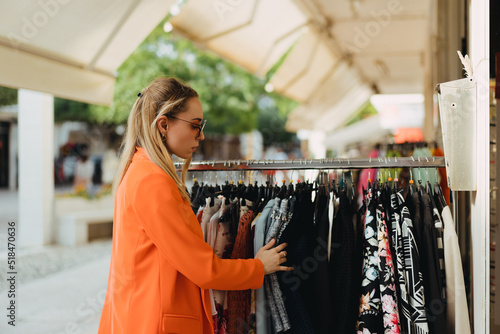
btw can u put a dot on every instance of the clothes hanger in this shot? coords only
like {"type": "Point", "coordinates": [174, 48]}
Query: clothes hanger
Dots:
{"type": "Point", "coordinates": [411, 182]}
{"type": "Point", "coordinates": [420, 186]}
{"type": "Point", "coordinates": [438, 192]}
{"type": "Point", "coordinates": [291, 189]}
{"type": "Point", "coordinates": [353, 191]}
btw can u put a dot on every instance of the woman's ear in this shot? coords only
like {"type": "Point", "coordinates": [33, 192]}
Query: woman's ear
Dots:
{"type": "Point", "coordinates": [162, 124]}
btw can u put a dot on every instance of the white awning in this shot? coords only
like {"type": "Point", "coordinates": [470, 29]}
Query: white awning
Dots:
{"type": "Point", "coordinates": [306, 68]}
{"type": "Point", "coordinates": [72, 48]}
{"type": "Point", "coordinates": [332, 103]}
{"type": "Point", "coordinates": [252, 34]}
{"type": "Point", "coordinates": [343, 51]}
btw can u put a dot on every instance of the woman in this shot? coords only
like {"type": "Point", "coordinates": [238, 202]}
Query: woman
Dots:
{"type": "Point", "coordinates": [161, 268]}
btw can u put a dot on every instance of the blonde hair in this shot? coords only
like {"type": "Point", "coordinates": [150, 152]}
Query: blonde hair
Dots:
{"type": "Point", "coordinates": [163, 96]}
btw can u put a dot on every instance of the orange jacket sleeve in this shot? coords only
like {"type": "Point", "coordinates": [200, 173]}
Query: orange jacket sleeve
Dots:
{"type": "Point", "coordinates": [172, 226]}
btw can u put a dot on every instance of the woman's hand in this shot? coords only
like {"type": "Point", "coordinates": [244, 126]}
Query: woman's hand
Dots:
{"type": "Point", "coordinates": [272, 258]}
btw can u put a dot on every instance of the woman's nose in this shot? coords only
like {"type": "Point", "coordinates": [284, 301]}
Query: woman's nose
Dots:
{"type": "Point", "coordinates": [201, 136]}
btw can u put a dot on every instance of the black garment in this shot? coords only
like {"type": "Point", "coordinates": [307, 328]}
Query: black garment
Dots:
{"type": "Point", "coordinates": [345, 270]}
{"type": "Point", "coordinates": [439, 229]}
{"type": "Point", "coordinates": [416, 215]}
{"type": "Point", "coordinates": [299, 237]}
{"type": "Point", "coordinates": [322, 283]}
{"type": "Point", "coordinates": [435, 306]}
{"type": "Point", "coordinates": [320, 203]}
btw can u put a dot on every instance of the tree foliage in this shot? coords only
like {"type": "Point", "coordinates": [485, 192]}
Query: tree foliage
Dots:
{"type": "Point", "coordinates": [68, 110]}
{"type": "Point", "coordinates": [366, 110]}
{"type": "Point", "coordinates": [8, 96]}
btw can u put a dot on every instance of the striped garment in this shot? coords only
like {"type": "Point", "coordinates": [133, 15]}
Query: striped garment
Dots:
{"type": "Point", "coordinates": [415, 305]}
{"type": "Point", "coordinates": [413, 318]}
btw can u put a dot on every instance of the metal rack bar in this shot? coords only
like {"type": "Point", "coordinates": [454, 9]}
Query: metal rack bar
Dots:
{"type": "Point", "coordinates": [337, 163]}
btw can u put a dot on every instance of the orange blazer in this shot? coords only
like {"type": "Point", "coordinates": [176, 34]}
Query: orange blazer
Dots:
{"type": "Point", "coordinates": [161, 267]}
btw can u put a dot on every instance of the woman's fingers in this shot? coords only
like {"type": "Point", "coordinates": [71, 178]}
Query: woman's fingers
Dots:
{"type": "Point", "coordinates": [283, 268]}
{"type": "Point", "coordinates": [279, 248]}
{"type": "Point", "coordinates": [270, 244]}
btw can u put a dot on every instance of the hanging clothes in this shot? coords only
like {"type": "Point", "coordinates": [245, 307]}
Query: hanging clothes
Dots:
{"type": "Point", "coordinates": [298, 235]}
{"type": "Point", "coordinates": [413, 276]}
{"type": "Point", "coordinates": [424, 174]}
{"type": "Point", "coordinates": [322, 281]}
{"type": "Point", "coordinates": [436, 306]}
{"type": "Point", "coordinates": [389, 300]}
{"type": "Point", "coordinates": [443, 179]}
{"type": "Point", "coordinates": [411, 288]}
{"type": "Point", "coordinates": [383, 270]}
{"type": "Point", "coordinates": [413, 204]}
{"type": "Point", "coordinates": [239, 302]}
{"type": "Point", "coordinates": [273, 291]}
{"type": "Point", "coordinates": [457, 313]}
{"type": "Point", "coordinates": [370, 315]}
{"type": "Point", "coordinates": [210, 209]}
{"type": "Point", "coordinates": [344, 269]}
{"type": "Point", "coordinates": [397, 240]}
{"type": "Point", "coordinates": [439, 229]}
{"type": "Point", "coordinates": [223, 248]}
{"type": "Point", "coordinates": [252, 318]}
{"type": "Point", "coordinates": [365, 175]}
{"type": "Point", "coordinates": [263, 320]}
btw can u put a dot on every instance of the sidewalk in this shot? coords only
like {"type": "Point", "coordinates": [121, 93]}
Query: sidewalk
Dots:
{"type": "Point", "coordinates": [59, 290]}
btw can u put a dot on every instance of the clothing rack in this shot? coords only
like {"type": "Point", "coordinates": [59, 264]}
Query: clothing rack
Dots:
{"type": "Point", "coordinates": [332, 163]}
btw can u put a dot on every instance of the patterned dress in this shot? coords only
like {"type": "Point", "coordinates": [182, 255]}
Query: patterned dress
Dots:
{"type": "Point", "coordinates": [387, 282]}
{"type": "Point", "coordinates": [280, 220]}
{"type": "Point", "coordinates": [414, 308]}
{"type": "Point", "coordinates": [370, 315]}
{"type": "Point", "coordinates": [239, 302]}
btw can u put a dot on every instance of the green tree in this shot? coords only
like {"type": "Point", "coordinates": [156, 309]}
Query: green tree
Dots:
{"type": "Point", "coordinates": [8, 96]}
{"type": "Point", "coordinates": [365, 111]}
{"type": "Point", "coordinates": [234, 100]}
{"type": "Point", "coordinates": [68, 110]}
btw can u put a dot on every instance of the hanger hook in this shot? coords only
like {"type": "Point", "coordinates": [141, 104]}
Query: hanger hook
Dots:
{"type": "Point", "coordinates": [419, 172]}
{"type": "Point", "coordinates": [435, 169]}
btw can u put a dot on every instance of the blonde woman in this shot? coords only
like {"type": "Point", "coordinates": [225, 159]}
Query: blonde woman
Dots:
{"type": "Point", "coordinates": [161, 268]}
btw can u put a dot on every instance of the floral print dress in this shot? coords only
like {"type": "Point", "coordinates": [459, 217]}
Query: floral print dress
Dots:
{"type": "Point", "coordinates": [378, 310]}
{"type": "Point", "coordinates": [370, 315]}
{"type": "Point", "coordinates": [387, 280]}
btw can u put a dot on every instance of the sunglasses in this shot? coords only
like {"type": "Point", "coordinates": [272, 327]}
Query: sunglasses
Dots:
{"type": "Point", "coordinates": [199, 127]}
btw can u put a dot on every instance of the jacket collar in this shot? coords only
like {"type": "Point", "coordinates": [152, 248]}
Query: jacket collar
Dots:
{"type": "Point", "coordinates": [140, 153]}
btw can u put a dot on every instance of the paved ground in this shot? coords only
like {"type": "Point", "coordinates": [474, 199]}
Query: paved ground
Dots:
{"type": "Point", "coordinates": [59, 289]}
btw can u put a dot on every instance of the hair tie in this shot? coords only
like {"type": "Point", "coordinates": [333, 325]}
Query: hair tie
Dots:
{"type": "Point", "coordinates": [139, 94]}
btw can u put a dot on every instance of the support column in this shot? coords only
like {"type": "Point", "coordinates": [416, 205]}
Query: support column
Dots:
{"type": "Point", "coordinates": [36, 168]}
{"type": "Point", "coordinates": [446, 29]}
{"type": "Point", "coordinates": [479, 46]}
